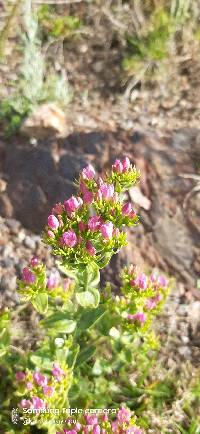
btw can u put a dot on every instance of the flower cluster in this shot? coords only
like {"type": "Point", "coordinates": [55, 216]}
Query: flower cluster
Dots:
{"type": "Point", "coordinates": [41, 391]}
{"type": "Point", "coordinates": [89, 227]}
{"type": "Point", "coordinates": [35, 281]}
{"type": "Point", "coordinates": [125, 423]}
{"type": "Point", "coordinates": [141, 297]}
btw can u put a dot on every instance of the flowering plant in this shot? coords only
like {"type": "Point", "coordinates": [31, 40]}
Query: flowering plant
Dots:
{"type": "Point", "coordinates": [78, 320]}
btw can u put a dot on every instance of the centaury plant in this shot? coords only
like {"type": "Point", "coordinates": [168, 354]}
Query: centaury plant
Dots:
{"type": "Point", "coordinates": [73, 368]}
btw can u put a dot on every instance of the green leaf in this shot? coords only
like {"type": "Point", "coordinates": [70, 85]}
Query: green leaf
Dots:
{"type": "Point", "coordinates": [89, 298]}
{"type": "Point", "coordinates": [91, 276]}
{"type": "Point", "coordinates": [58, 323]}
{"type": "Point", "coordinates": [41, 361]}
{"type": "Point", "coordinates": [85, 354]}
{"type": "Point", "coordinates": [89, 317]}
{"type": "Point", "coordinates": [40, 302]}
{"type": "Point", "coordinates": [69, 271]}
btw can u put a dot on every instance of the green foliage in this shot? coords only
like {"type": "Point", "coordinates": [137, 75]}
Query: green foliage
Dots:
{"type": "Point", "coordinates": [57, 26]}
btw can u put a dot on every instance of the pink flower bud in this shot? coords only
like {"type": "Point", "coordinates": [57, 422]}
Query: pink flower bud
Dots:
{"type": "Point", "coordinates": [57, 209]}
{"type": "Point", "coordinates": [96, 429]}
{"type": "Point", "coordinates": [53, 222]}
{"type": "Point", "coordinates": [91, 419]}
{"type": "Point", "coordinates": [69, 238]}
{"type": "Point", "coordinates": [78, 426]}
{"type": "Point", "coordinates": [150, 303]}
{"type": "Point", "coordinates": [107, 191]}
{"type": "Point", "coordinates": [20, 376]}
{"type": "Point", "coordinates": [141, 281]}
{"type": "Point", "coordinates": [126, 164]}
{"type": "Point", "coordinates": [57, 372]}
{"type": "Point", "coordinates": [118, 166]}
{"type": "Point", "coordinates": [88, 172]}
{"type": "Point", "coordinates": [104, 417]}
{"type": "Point", "coordinates": [48, 390]}
{"type": "Point", "coordinates": [73, 204]}
{"type": "Point", "coordinates": [34, 261]}
{"type": "Point", "coordinates": [50, 234]}
{"type": "Point", "coordinates": [71, 431]}
{"type": "Point", "coordinates": [116, 232]}
{"type": "Point", "coordinates": [82, 226]}
{"type": "Point", "coordinates": [90, 248]}
{"type": "Point", "coordinates": [124, 415]}
{"type": "Point", "coordinates": [38, 403]}
{"type": "Point", "coordinates": [139, 316]}
{"type": "Point", "coordinates": [99, 195]}
{"type": "Point", "coordinates": [162, 281]}
{"type": "Point", "coordinates": [88, 197]}
{"type": "Point", "coordinates": [25, 403]}
{"type": "Point", "coordinates": [40, 379]}
{"type": "Point", "coordinates": [53, 280]}
{"type": "Point", "coordinates": [29, 385]}
{"type": "Point", "coordinates": [153, 278]}
{"type": "Point", "coordinates": [94, 223]}
{"type": "Point", "coordinates": [127, 208]}
{"type": "Point", "coordinates": [107, 230]}
{"type": "Point", "coordinates": [27, 275]}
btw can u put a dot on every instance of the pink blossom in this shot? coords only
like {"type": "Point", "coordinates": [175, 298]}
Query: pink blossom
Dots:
{"type": "Point", "coordinates": [116, 232]}
{"type": "Point", "coordinates": [40, 379]}
{"type": "Point", "coordinates": [53, 222]}
{"type": "Point", "coordinates": [78, 426]}
{"type": "Point", "coordinates": [73, 204]}
{"type": "Point", "coordinates": [20, 376]}
{"type": "Point", "coordinates": [94, 223]}
{"type": "Point", "coordinates": [50, 234]}
{"type": "Point", "coordinates": [139, 316]}
{"type": "Point", "coordinates": [29, 385]}
{"type": "Point", "coordinates": [48, 390]}
{"type": "Point", "coordinates": [88, 197]}
{"type": "Point", "coordinates": [124, 415]}
{"type": "Point", "coordinates": [104, 417]}
{"type": "Point", "coordinates": [126, 164]}
{"type": "Point", "coordinates": [38, 403]}
{"type": "Point", "coordinates": [153, 278]}
{"type": "Point", "coordinates": [107, 191]}
{"type": "Point", "coordinates": [57, 209]}
{"type": "Point", "coordinates": [88, 172]}
{"type": "Point", "coordinates": [150, 303]}
{"type": "Point", "coordinates": [90, 248]}
{"type": "Point", "coordinates": [99, 195]}
{"type": "Point", "coordinates": [162, 281]}
{"type": "Point", "coordinates": [27, 275]}
{"type": "Point", "coordinates": [91, 419]}
{"type": "Point", "coordinates": [69, 238]}
{"type": "Point", "coordinates": [57, 372]}
{"type": "Point", "coordinates": [141, 281]}
{"type": "Point", "coordinates": [71, 431]}
{"type": "Point", "coordinates": [96, 429]}
{"type": "Point", "coordinates": [115, 426]}
{"type": "Point", "coordinates": [53, 280]}
{"type": "Point", "coordinates": [118, 166]}
{"type": "Point", "coordinates": [107, 230]}
{"type": "Point", "coordinates": [133, 430]}
{"type": "Point", "coordinates": [25, 403]}
{"type": "Point", "coordinates": [82, 226]}
{"type": "Point", "coordinates": [126, 209]}
{"type": "Point", "coordinates": [34, 261]}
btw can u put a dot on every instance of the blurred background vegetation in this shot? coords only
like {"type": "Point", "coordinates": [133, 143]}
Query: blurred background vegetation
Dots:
{"type": "Point", "coordinates": [69, 51]}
